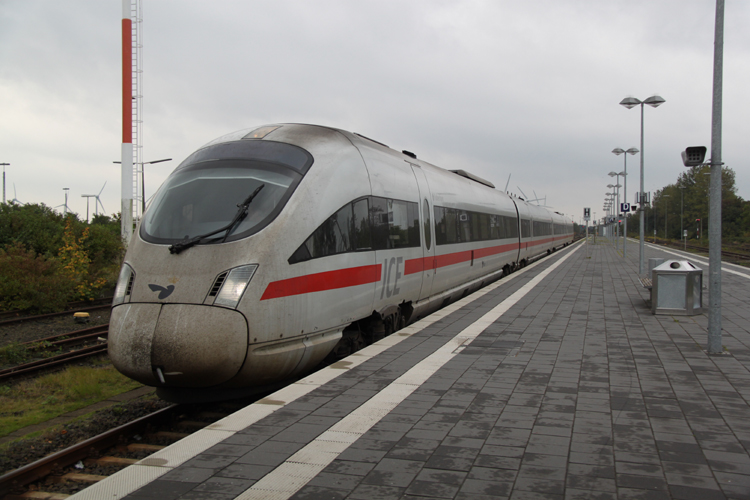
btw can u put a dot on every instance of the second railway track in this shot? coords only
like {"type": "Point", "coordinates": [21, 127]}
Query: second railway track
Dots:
{"type": "Point", "coordinates": [78, 344]}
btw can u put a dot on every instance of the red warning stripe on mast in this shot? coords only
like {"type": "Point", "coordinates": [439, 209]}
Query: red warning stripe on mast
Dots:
{"type": "Point", "coordinates": [127, 77]}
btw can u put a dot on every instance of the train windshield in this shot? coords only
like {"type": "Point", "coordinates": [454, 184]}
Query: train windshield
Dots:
{"type": "Point", "coordinates": [204, 197]}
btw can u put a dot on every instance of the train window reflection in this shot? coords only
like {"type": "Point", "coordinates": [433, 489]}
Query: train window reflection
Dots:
{"type": "Point", "coordinates": [370, 223]}
{"type": "Point", "coordinates": [204, 197]}
{"type": "Point", "coordinates": [461, 226]}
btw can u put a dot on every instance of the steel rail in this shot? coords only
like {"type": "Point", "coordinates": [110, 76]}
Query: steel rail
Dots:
{"type": "Point", "coordinates": [42, 364]}
{"type": "Point", "coordinates": [24, 319]}
{"type": "Point", "coordinates": [64, 458]}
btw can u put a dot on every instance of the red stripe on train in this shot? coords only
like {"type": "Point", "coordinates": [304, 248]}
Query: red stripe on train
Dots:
{"type": "Point", "coordinates": [353, 276]}
{"type": "Point", "coordinates": [318, 282]}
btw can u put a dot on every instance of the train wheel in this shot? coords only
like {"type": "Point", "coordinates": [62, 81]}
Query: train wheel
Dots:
{"type": "Point", "coordinates": [388, 324]}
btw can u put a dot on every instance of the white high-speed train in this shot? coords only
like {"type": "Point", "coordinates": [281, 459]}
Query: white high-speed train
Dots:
{"type": "Point", "coordinates": [268, 249]}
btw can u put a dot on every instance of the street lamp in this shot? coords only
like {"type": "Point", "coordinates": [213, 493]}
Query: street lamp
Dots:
{"type": "Point", "coordinates": [631, 102]}
{"type": "Point", "coordinates": [4, 165]}
{"type": "Point", "coordinates": [631, 151]}
{"type": "Point", "coordinates": [617, 205]}
{"type": "Point", "coordinates": [682, 207]}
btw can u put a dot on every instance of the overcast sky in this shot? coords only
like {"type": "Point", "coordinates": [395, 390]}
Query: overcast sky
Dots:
{"type": "Point", "coordinates": [500, 88]}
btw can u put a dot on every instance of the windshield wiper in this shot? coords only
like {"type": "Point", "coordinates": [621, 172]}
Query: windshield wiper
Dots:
{"type": "Point", "coordinates": [238, 217]}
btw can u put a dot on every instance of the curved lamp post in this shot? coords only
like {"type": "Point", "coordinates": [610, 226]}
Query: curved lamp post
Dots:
{"type": "Point", "coordinates": [618, 152]}
{"type": "Point", "coordinates": [616, 202]}
{"type": "Point", "coordinates": [631, 102]}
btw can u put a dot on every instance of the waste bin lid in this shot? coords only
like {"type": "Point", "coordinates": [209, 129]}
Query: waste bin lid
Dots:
{"type": "Point", "coordinates": [677, 265]}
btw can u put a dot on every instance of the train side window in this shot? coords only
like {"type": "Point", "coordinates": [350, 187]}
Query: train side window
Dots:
{"type": "Point", "coordinates": [427, 234]}
{"type": "Point", "coordinates": [464, 226]}
{"type": "Point", "coordinates": [440, 226]}
{"type": "Point", "coordinates": [525, 228]}
{"type": "Point", "coordinates": [379, 222]}
{"type": "Point", "coordinates": [335, 235]}
{"type": "Point", "coordinates": [511, 227]}
{"type": "Point", "coordinates": [404, 224]}
{"type": "Point", "coordinates": [360, 237]}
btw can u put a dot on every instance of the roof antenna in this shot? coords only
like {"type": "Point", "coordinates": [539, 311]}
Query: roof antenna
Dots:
{"type": "Point", "coordinates": [506, 184]}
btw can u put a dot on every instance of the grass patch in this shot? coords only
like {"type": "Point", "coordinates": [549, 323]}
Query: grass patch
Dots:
{"type": "Point", "coordinates": [43, 398]}
{"type": "Point", "coordinates": [13, 354]}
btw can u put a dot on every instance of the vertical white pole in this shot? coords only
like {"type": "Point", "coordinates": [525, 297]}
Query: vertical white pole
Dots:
{"type": "Point", "coordinates": [714, 222]}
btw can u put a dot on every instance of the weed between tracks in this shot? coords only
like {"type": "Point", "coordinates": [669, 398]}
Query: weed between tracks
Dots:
{"type": "Point", "coordinates": [38, 400]}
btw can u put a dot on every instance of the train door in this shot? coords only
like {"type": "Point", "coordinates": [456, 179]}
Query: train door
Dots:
{"type": "Point", "coordinates": [428, 237]}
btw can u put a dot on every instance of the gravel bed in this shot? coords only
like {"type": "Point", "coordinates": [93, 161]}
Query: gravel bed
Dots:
{"type": "Point", "coordinates": [35, 330]}
{"type": "Point", "coordinates": [26, 451]}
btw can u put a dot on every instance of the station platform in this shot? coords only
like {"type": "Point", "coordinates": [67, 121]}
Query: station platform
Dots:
{"type": "Point", "coordinates": [556, 382]}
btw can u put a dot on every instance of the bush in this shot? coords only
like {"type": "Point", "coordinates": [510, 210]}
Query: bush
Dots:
{"type": "Point", "coordinates": [38, 227]}
{"type": "Point", "coordinates": [29, 281]}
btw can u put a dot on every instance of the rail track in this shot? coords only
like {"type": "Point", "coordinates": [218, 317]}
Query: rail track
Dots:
{"type": "Point", "coordinates": [724, 253]}
{"type": "Point", "coordinates": [72, 469]}
{"type": "Point", "coordinates": [50, 349]}
{"type": "Point", "coordinates": [16, 317]}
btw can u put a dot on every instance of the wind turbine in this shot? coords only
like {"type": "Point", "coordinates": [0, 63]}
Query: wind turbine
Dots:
{"type": "Point", "coordinates": [99, 201]}
{"type": "Point", "coordinates": [15, 196]}
{"type": "Point", "coordinates": [65, 205]}
{"type": "Point", "coordinates": [96, 205]}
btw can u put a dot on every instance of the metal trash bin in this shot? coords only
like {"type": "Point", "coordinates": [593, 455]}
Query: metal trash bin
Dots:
{"type": "Point", "coordinates": [677, 288]}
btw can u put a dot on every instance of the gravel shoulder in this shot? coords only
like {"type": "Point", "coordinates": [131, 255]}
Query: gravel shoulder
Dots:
{"type": "Point", "coordinates": [69, 429]}
{"type": "Point", "coordinates": [35, 330]}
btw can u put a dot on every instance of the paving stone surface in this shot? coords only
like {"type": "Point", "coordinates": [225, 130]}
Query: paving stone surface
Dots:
{"type": "Point", "coordinates": [576, 392]}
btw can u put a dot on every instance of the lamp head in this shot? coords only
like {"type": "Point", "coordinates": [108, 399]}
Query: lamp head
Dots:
{"type": "Point", "coordinates": [631, 102]}
{"type": "Point", "coordinates": [618, 151]}
{"type": "Point", "coordinates": [612, 174]}
{"type": "Point", "coordinates": [632, 151]}
{"type": "Point", "coordinates": [655, 101]}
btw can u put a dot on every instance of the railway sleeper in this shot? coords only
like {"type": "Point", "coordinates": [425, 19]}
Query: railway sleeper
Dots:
{"type": "Point", "coordinates": [76, 477]}
{"type": "Point", "coordinates": [108, 461]}
{"type": "Point", "coordinates": [37, 495]}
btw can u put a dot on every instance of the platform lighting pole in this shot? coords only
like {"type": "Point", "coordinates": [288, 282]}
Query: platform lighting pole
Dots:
{"type": "Point", "coordinates": [631, 151]}
{"type": "Point", "coordinates": [617, 205]}
{"type": "Point", "coordinates": [4, 165]}
{"type": "Point", "coordinates": [610, 206]}
{"type": "Point", "coordinates": [631, 102]}
{"type": "Point", "coordinates": [682, 209]}
{"type": "Point", "coordinates": [714, 225]}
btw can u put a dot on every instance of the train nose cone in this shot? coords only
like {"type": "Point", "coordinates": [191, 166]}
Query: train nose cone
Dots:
{"type": "Point", "coordinates": [186, 345]}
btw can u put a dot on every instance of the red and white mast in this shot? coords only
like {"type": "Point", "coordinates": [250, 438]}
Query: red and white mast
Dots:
{"type": "Point", "coordinates": [127, 124]}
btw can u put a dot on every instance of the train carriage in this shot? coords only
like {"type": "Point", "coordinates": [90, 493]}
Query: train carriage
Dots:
{"type": "Point", "coordinates": [269, 249]}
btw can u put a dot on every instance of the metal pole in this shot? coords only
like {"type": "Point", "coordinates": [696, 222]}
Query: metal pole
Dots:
{"type": "Point", "coordinates": [682, 209]}
{"type": "Point", "coordinates": [714, 225]}
{"type": "Point", "coordinates": [641, 260]}
{"type": "Point", "coordinates": [4, 164]}
{"type": "Point", "coordinates": [617, 213]}
{"type": "Point", "coordinates": [625, 197]}
{"type": "Point", "coordinates": [126, 172]}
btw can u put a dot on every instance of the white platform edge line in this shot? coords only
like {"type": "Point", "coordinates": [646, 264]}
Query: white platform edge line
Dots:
{"type": "Point", "coordinates": [276, 484]}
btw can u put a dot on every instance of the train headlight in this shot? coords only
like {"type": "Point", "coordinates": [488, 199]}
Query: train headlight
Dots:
{"type": "Point", "coordinates": [234, 286]}
{"type": "Point", "coordinates": [124, 285]}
